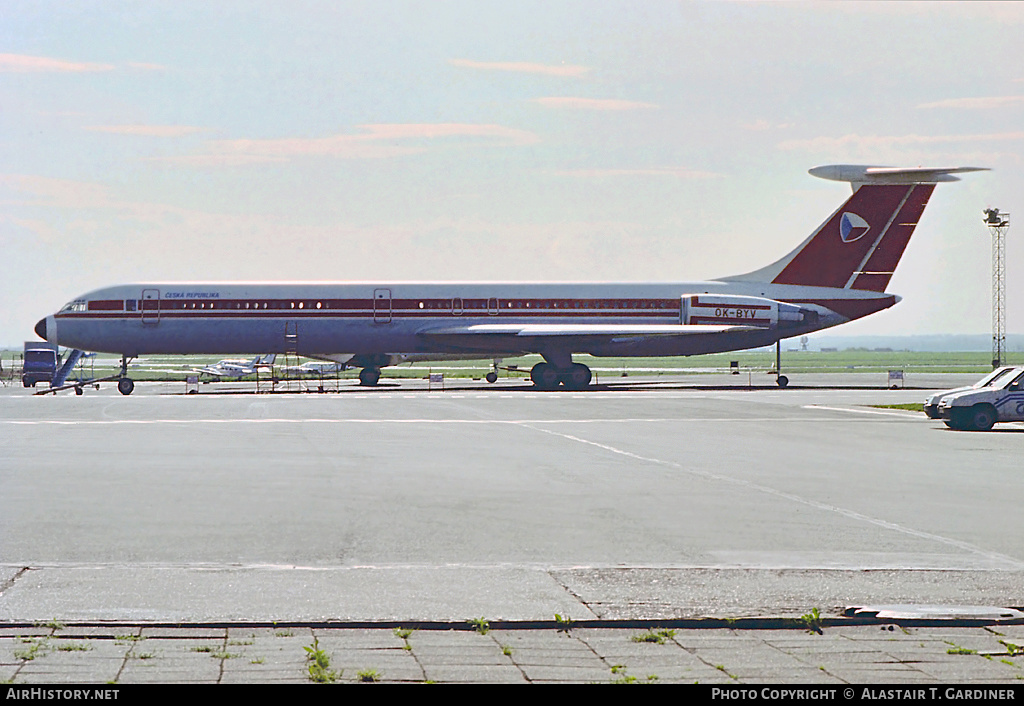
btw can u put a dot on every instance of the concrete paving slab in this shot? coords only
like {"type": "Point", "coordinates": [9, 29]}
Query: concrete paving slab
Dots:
{"type": "Point", "coordinates": [565, 673]}
{"type": "Point", "coordinates": [474, 673]}
{"type": "Point", "coordinates": [607, 655]}
{"type": "Point", "coordinates": [360, 639]}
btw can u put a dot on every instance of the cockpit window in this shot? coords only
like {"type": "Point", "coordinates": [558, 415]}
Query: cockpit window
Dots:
{"type": "Point", "coordinates": [75, 306]}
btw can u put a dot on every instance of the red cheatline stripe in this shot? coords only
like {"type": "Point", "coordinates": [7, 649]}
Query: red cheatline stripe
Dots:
{"type": "Point", "coordinates": [695, 301]}
{"type": "Point", "coordinates": [729, 320]}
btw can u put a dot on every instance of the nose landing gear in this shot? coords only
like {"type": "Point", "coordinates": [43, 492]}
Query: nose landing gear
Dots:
{"type": "Point", "coordinates": [780, 379]}
{"type": "Point", "coordinates": [125, 385]}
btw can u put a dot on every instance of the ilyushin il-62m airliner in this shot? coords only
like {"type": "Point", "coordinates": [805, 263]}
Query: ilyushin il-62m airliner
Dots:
{"type": "Point", "coordinates": [837, 274]}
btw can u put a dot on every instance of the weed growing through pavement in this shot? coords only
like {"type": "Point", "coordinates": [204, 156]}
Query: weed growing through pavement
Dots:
{"type": "Point", "coordinates": [53, 625]}
{"type": "Point", "coordinates": [37, 649]}
{"type": "Point", "coordinates": [320, 671]}
{"type": "Point", "coordinates": [623, 678]}
{"type": "Point", "coordinates": [812, 621]}
{"type": "Point", "coordinates": [658, 637]}
{"type": "Point", "coordinates": [480, 625]}
{"type": "Point", "coordinates": [1012, 649]}
{"type": "Point", "coordinates": [403, 634]}
{"type": "Point", "coordinates": [958, 650]}
{"type": "Point", "coordinates": [723, 670]}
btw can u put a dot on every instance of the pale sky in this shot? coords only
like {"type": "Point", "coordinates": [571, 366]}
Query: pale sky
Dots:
{"type": "Point", "coordinates": [516, 140]}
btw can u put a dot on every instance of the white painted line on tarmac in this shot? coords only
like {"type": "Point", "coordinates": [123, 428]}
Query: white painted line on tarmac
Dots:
{"type": "Point", "coordinates": [353, 420]}
{"type": "Point", "coordinates": [908, 414]}
{"type": "Point", "coordinates": [1003, 559]}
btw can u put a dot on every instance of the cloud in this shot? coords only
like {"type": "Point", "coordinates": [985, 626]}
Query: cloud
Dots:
{"type": "Point", "coordinates": [63, 193]}
{"type": "Point", "coordinates": [44, 231]}
{"type": "Point", "coordinates": [147, 130]}
{"type": "Point", "coordinates": [378, 141]}
{"type": "Point", "coordinates": [522, 67]}
{"type": "Point", "coordinates": [761, 125]}
{"type": "Point", "coordinates": [989, 103]}
{"type": "Point", "coordinates": [436, 130]}
{"type": "Point", "coordinates": [678, 172]}
{"type": "Point", "coordinates": [592, 103]}
{"type": "Point", "coordinates": [877, 142]}
{"type": "Point", "coordinates": [21, 63]}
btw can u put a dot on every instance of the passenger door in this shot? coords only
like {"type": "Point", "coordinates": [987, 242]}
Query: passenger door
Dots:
{"type": "Point", "coordinates": [382, 306]}
{"type": "Point", "coordinates": [150, 306]}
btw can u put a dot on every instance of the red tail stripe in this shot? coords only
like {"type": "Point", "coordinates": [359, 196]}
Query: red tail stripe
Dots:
{"type": "Point", "coordinates": [826, 261]}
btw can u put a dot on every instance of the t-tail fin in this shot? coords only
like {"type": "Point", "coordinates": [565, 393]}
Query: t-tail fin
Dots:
{"type": "Point", "coordinates": [860, 244]}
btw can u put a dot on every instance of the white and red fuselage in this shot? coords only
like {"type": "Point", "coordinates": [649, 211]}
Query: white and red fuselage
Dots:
{"type": "Point", "coordinates": [364, 319]}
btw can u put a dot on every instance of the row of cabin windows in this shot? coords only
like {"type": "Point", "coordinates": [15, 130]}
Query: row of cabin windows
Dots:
{"type": "Point", "coordinates": [455, 304]}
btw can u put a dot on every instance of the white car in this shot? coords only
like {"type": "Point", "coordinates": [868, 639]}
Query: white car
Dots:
{"type": "Point", "coordinates": [1002, 400]}
{"type": "Point", "coordinates": [931, 405]}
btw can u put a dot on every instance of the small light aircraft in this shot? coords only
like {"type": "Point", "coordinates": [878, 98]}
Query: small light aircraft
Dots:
{"type": "Point", "coordinates": [312, 368]}
{"type": "Point", "coordinates": [237, 368]}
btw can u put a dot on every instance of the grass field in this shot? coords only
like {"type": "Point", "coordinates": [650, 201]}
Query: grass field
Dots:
{"type": "Point", "coordinates": [175, 368]}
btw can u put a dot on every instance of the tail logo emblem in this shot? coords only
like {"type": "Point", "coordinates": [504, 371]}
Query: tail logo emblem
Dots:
{"type": "Point", "coordinates": [852, 227]}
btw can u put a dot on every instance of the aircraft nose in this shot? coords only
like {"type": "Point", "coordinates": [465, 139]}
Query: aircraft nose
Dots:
{"type": "Point", "coordinates": [41, 329]}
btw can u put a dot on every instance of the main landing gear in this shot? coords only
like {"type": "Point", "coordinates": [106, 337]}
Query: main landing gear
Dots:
{"type": "Point", "coordinates": [369, 376]}
{"type": "Point", "coordinates": [546, 376]}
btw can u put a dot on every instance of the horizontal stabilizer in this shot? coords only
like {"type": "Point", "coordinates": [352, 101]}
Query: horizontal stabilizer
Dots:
{"type": "Point", "coordinates": [865, 174]}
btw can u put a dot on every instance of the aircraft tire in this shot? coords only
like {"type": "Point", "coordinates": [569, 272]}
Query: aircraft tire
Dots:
{"type": "Point", "coordinates": [578, 377]}
{"type": "Point", "coordinates": [782, 381]}
{"type": "Point", "coordinates": [125, 386]}
{"type": "Point", "coordinates": [368, 377]}
{"type": "Point", "coordinates": [491, 377]}
{"type": "Point", "coordinates": [544, 376]}
{"type": "Point", "coordinates": [79, 390]}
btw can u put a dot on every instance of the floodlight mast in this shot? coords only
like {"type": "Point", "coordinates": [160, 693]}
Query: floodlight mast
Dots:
{"type": "Point", "coordinates": [998, 223]}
